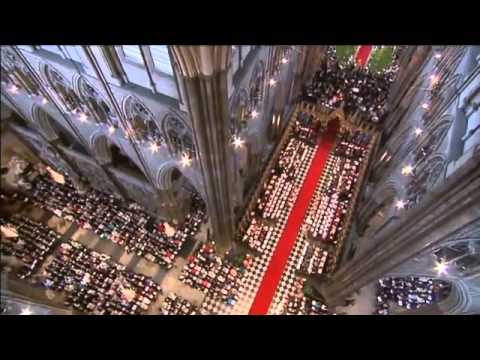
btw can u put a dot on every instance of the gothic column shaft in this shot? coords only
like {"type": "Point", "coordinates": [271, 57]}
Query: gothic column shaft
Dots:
{"type": "Point", "coordinates": [205, 80]}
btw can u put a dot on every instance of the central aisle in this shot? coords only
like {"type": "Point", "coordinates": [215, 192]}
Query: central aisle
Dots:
{"type": "Point", "coordinates": [363, 54]}
{"type": "Point", "coordinates": [279, 259]}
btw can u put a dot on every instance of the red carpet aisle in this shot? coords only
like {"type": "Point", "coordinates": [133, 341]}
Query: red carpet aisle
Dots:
{"type": "Point", "coordinates": [363, 54]}
{"type": "Point", "coordinates": [275, 269]}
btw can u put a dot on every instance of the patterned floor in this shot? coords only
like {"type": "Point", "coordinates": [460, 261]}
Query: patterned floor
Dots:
{"type": "Point", "coordinates": [253, 277]}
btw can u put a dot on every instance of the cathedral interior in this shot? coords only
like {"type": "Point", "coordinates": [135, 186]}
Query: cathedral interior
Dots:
{"type": "Point", "coordinates": [240, 180]}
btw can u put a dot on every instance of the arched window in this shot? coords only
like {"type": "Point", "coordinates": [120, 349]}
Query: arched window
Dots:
{"type": "Point", "coordinates": [178, 135]}
{"type": "Point", "coordinates": [256, 86]}
{"type": "Point", "coordinates": [239, 112]}
{"type": "Point", "coordinates": [63, 89]}
{"type": "Point", "coordinates": [96, 103]}
{"type": "Point", "coordinates": [142, 125]}
{"type": "Point", "coordinates": [15, 73]}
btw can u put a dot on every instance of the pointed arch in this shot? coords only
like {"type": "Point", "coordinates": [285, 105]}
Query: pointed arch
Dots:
{"type": "Point", "coordinates": [16, 73]}
{"type": "Point", "coordinates": [178, 134]}
{"type": "Point", "coordinates": [98, 107]}
{"type": "Point", "coordinates": [100, 146]}
{"type": "Point", "coordinates": [142, 125]}
{"type": "Point", "coordinates": [62, 88]}
{"type": "Point", "coordinates": [239, 111]}
{"type": "Point", "coordinates": [256, 85]}
{"type": "Point", "coordinates": [43, 121]}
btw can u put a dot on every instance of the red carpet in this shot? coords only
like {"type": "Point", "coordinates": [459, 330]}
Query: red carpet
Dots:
{"type": "Point", "coordinates": [363, 54]}
{"type": "Point", "coordinates": [280, 256]}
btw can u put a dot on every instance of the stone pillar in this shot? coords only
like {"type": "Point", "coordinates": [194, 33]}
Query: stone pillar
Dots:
{"type": "Point", "coordinates": [452, 206]}
{"type": "Point", "coordinates": [204, 71]}
{"type": "Point", "coordinates": [309, 61]}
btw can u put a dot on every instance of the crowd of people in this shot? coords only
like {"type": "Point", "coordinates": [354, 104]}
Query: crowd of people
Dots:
{"type": "Point", "coordinates": [312, 259]}
{"type": "Point", "coordinates": [215, 276]}
{"type": "Point", "coordinates": [279, 193]}
{"type": "Point", "coordinates": [103, 214]}
{"type": "Point", "coordinates": [410, 293]}
{"type": "Point", "coordinates": [300, 304]}
{"type": "Point", "coordinates": [352, 88]}
{"type": "Point", "coordinates": [96, 284]}
{"type": "Point", "coordinates": [175, 305]}
{"type": "Point", "coordinates": [30, 242]}
{"type": "Point", "coordinates": [333, 197]}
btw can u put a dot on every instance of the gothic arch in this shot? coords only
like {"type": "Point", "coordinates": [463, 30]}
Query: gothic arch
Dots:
{"type": "Point", "coordinates": [97, 105]}
{"type": "Point", "coordinates": [432, 142]}
{"type": "Point", "coordinates": [141, 121]}
{"type": "Point", "coordinates": [177, 134]}
{"type": "Point", "coordinates": [16, 73]}
{"type": "Point", "coordinates": [100, 146]}
{"type": "Point", "coordinates": [256, 85]}
{"type": "Point", "coordinates": [43, 121]}
{"type": "Point", "coordinates": [239, 111]}
{"type": "Point", "coordinates": [62, 88]}
{"type": "Point", "coordinates": [164, 175]}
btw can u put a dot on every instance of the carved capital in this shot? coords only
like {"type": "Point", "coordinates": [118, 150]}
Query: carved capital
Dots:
{"type": "Point", "coordinates": [201, 60]}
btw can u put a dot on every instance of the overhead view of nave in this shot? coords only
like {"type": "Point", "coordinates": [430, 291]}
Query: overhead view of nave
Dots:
{"type": "Point", "coordinates": [240, 180]}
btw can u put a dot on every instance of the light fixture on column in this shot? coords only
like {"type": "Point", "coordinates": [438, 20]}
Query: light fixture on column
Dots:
{"type": "Point", "coordinates": [434, 79]}
{"type": "Point", "coordinates": [254, 114]}
{"type": "Point", "coordinates": [441, 267]}
{"type": "Point", "coordinates": [26, 311]}
{"type": "Point", "coordinates": [238, 142]}
{"type": "Point", "coordinates": [186, 161]}
{"type": "Point", "coordinates": [426, 106]}
{"type": "Point", "coordinates": [154, 147]}
{"type": "Point", "coordinates": [111, 129]}
{"type": "Point", "coordinates": [407, 170]}
{"type": "Point", "coordinates": [83, 117]}
{"type": "Point", "coordinates": [13, 89]}
{"type": "Point", "coordinates": [418, 131]}
{"type": "Point", "coordinates": [284, 60]}
{"type": "Point", "coordinates": [44, 101]}
{"type": "Point", "coordinates": [272, 82]}
{"type": "Point", "coordinates": [400, 204]}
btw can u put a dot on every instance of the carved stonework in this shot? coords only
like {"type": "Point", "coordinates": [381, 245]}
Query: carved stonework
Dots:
{"type": "Point", "coordinates": [16, 73]}
{"type": "Point", "coordinates": [62, 89]}
{"type": "Point", "coordinates": [142, 125]}
{"type": "Point", "coordinates": [98, 107]}
{"type": "Point", "coordinates": [178, 135]}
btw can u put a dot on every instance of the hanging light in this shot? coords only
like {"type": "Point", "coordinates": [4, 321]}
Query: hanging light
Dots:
{"type": "Point", "coordinates": [44, 101]}
{"type": "Point", "coordinates": [425, 106]}
{"type": "Point", "coordinates": [238, 142]}
{"type": "Point", "coordinates": [284, 60]}
{"type": "Point", "coordinates": [437, 56]}
{"type": "Point", "coordinates": [13, 89]}
{"type": "Point", "coordinates": [441, 267]}
{"type": "Point", "coordinates": [26, 311]}
{"type": "Point", "coordinates": [272, 82]}
{"type": "Point", "coordinates": [400, 204]}
{"type": "Point", "coordinates": [111, 129]}
{"type": "Point", "coordinates": [407, 170]}
{"type": "Point", "coordinates": [254, 114]}
{"type": "Point", "coordinates": [418, 131]}
{"type": "Point", "coordinates": [154, 147]}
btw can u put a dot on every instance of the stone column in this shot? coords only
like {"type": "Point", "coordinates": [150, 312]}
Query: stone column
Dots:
{"type": "Point", "coordinates": [309, 61]}
{"type": "Point", "coordinates": [452, 206]}
{"type": "Point", "coordinates": [204, 71]}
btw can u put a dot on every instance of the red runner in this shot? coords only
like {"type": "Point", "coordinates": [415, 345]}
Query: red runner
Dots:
{"type": "Point", "coordinates": [363, 54]}
{"type": "Point", "coordinates": [280, 256]}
